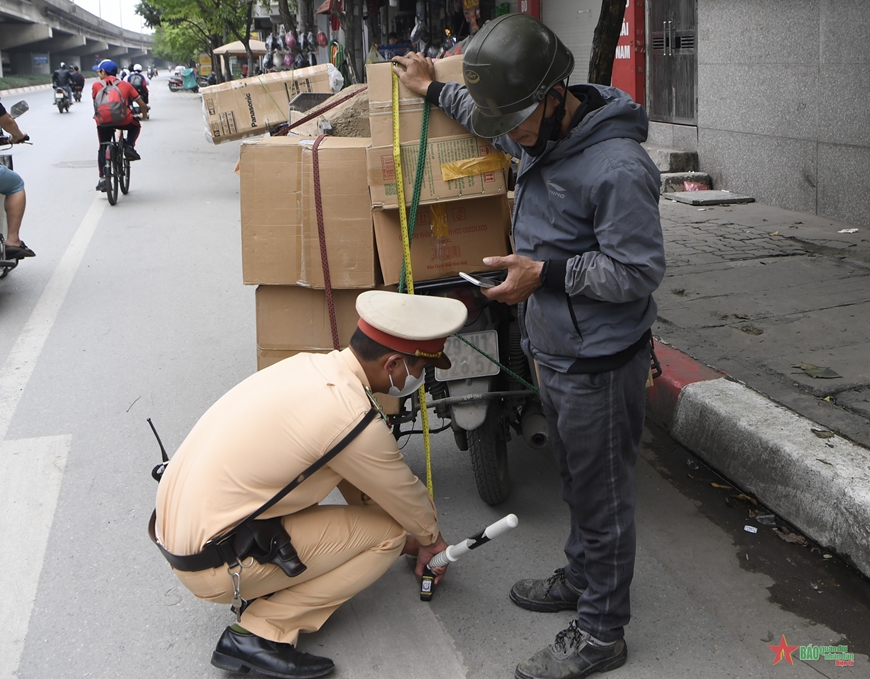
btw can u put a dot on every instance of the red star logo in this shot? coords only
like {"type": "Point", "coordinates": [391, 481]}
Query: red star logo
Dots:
{"type": "Point", "coordinates": [783, 650]}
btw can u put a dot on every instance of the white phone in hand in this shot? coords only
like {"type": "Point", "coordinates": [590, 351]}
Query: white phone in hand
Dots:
{"type": "Point", "coordinates": [479, 282]}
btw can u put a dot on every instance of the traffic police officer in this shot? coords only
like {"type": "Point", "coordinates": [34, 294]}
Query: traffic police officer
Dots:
{"type": "Point", "coordinates": [268, 430]}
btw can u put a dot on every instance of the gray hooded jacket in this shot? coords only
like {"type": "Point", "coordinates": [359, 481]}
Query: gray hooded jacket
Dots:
{"type": "Point", "coordinates": [588, 206]}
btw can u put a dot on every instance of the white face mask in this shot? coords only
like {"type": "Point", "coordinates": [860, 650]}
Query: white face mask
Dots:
{"type": "Point", "coordinates": [411, 383]}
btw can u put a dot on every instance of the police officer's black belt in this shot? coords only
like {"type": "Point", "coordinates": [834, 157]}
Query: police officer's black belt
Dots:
{"type": "Point", "coordinates": [247, 537]}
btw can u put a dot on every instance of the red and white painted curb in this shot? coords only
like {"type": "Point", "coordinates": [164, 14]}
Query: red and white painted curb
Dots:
{"type": "Point", "coordinates": [820, 485]}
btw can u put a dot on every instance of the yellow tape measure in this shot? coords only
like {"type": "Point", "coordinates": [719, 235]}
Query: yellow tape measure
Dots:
{"type": "Point", "coordinates": [406, 253]}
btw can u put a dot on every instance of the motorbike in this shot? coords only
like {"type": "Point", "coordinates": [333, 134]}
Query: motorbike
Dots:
{"type": "Point", "coordinates": [6, 264]}
{"type": "Point", "coordinates": [136, 110]}
{"type": "Point", "coordinates": [187, 80]}
{"type": "Point", "coordinates": [77, 93]}
{"type": "Point", "coordinates": [61, 99]}
{"type": "Point", "coordinates": [484, 404]}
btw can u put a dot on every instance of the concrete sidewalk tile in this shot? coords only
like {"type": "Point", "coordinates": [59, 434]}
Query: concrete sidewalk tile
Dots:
{"type": "Point", "coordinates": [820, 485]}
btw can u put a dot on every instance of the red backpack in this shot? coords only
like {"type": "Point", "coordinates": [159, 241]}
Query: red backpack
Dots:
{"type": "Point", "coordinates": [110, 105]}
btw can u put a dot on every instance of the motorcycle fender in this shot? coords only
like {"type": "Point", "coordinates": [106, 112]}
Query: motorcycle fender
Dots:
{"type": "Point", "coordinates": [471, 416]}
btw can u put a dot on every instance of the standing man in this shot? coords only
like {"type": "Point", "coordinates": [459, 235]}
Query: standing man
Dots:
{"type": "Point", "coordinates": [121, 115]}
{"type": "Point", "coordinates": [12, 187]}
{"type": "Point", "coordinates": [590, 254]}
{"type": "Point", "coordinates": [269, 430]}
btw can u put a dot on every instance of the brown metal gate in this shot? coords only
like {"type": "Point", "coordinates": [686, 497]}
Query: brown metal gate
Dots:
{"type": "Point", "coordinates": [673, 62]}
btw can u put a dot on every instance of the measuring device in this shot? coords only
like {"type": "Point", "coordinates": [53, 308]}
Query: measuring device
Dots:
{"type": "Point", "coordinates": [453, 552]}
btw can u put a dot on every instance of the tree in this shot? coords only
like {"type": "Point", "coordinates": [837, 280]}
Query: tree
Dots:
{"type": "Point", "coordinates": [604, 41]}
{"type": "Point", "coordinates": [177, 44]}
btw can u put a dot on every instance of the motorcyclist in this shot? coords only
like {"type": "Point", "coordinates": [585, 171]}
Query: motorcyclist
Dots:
{"type": "Point", "coordinates": [61, 78]}
{"type": "Point", "coordinates": [12, 188]}
{"type": "Point", "coordinates": [77, 79]}
{"type": "Point", "coordinates": [139, 82]}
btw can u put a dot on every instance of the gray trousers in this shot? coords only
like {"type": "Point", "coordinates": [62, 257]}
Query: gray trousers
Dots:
{"type": "Point", "coordinates": [596, 422]}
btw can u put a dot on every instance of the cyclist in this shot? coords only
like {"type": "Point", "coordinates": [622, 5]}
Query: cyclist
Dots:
{"type": "Point", "coordinates": [61, 78]}
{"type": "Point", "coordinates": [139, 81]}
{"type": "Point", "coordinates": [108, 71]}
{"type": "Point", "coordinates": [77, 79]}
{"type": "Point", "coordinates": [12, 187]}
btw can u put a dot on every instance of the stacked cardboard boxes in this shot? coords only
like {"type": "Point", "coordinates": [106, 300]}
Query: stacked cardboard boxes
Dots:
{"type": "Point", "coordinates": [463, 216]}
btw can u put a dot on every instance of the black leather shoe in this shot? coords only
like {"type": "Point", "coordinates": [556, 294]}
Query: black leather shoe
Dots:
{"type": "Point", "coordinates": [572, 656]}
{"type": "Point", "coordinates": [131, 154]}
{"type": "Point", "coordinates": [546, 596]}
{"type": "Point", "coordinates": [237, 652]}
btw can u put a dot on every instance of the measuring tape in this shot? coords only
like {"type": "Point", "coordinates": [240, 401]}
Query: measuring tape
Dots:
{"type": "Point", "coordinates": [407, 234]}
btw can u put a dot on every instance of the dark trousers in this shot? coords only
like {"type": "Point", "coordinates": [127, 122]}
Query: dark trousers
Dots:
{"type": "Point", "coordinates": [596, 422]}
{"type": "Point", "coordinates": [105, 134]}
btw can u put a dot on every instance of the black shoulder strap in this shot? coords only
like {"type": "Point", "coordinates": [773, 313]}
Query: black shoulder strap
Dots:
{"type": "Point", "coordinates": [335, 450]}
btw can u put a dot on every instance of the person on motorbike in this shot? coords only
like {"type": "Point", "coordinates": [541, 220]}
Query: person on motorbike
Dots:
{"type": "Point", "coordinates": [61, 78]}
{"type": "Point", "coordinates": [107, 71]}
{"type": "Point", "coordinates": [589, 255]}
{"type": "Point", "coordinates": [12, 187]}
{"type": "Point", "coordinates": [77, 79]}
{"type": "Point", "coordinates": [139, 81]}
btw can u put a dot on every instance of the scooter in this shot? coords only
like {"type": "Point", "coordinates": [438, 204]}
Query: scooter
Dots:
{"type": "Point", "coordinates": [483, 402]}
{"type": "Point", "coordinates": [6, 264]}
{"type": "Point", "coordinates": [77, 93]}
{"type": "Point", "coordinates": [61, 99]}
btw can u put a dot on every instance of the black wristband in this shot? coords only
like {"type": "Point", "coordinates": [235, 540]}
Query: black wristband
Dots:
{"type": "Point", "coordinates": [553, 274]}
{"type": "Point", "coordinates": [433, 93]}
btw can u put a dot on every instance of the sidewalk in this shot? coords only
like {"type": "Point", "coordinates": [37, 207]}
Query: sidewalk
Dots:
{"type": "Point", "coordinates": [757, 302]}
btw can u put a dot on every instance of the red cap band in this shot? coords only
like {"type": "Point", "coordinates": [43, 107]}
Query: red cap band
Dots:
{"type": "Point", "coordinates": [427, 348]}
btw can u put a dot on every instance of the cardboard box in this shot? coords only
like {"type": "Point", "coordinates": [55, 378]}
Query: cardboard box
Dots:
{"type": "Point", "coordinates": [347, 220]}
{"type": "Point", "coordinates": [251, 106]}
{"type": "Point", "coordinates": [475, 229]}
{"type": "Point", "coordinates": [379, 78]}
{"type": "Point", "coordinates": [295, 318]}
{"type": "Point", "coordinates": [270, 174]}
{"type": "Point", "coordinates": [484, 171]}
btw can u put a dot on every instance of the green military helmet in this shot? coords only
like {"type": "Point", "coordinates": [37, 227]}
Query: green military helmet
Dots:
{"type": "Point", "coordinates": [509, 67]}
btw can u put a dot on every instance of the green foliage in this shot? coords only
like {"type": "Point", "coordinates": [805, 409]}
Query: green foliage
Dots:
{"type": "Point", "coordinates": [178, 44]}
{"type": "Point", "coordinates": [13, 81]}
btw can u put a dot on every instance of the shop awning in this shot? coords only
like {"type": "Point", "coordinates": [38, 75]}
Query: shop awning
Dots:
{"type": "Point", "coordinates": [258, 47]}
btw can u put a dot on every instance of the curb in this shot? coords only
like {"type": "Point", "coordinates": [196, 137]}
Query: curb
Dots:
{"type": "Point", "coordinates": [23, 90]}
{"type": "Point", "coordinates": [820, 485]}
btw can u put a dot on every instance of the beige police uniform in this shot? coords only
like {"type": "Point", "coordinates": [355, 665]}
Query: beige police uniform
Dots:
{"type": "Point", "coordinates": [248, 446]}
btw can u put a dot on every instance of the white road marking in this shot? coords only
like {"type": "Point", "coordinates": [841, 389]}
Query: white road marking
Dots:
{"type": "Point", "coordinates": [31, 470]}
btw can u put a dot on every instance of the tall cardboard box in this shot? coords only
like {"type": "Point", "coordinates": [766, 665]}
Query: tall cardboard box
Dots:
{"type": "Point", "coordinates": [252, 106]}
{"type": "Point", "coordinates": [379, 77]}
{"type": "Point", "coordinates": [346, 209]}
{"type": "Point", "coordinates": [480, 170]}
{"type": "Point", "coordinates": [270, 196]}
{"type": "Point", "coordinates": [475, 229]}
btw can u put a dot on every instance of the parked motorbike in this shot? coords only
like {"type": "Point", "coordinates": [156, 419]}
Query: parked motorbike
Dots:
{"type": "Point", "coordinates": [61, 100]}
{"type": "Point", "coordinates": [187, 80]}
{"type": "Point", "coordinates": [6, 264]}
{"type": "Point", "coordinates": [485, 405]}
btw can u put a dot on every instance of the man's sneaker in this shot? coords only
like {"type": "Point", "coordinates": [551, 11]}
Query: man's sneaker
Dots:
{"type": "Point", "coordinates": [101, 185]}
{"type": "Point", "coordinates": [238, 652]}
{"type": "Point", "coordinates": [131, 154]}
{"type": "Point", "coordinates": [550, 595]}
{"type": "Point", "coordinates": [571, 656]}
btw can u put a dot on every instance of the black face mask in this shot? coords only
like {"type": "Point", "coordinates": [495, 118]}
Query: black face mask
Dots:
{"type": "Point", "coordinates": [549, 129]}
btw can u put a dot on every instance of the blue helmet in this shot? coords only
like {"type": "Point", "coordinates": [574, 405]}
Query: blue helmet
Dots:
{"type": "Point", "coordinates": [108, 66]}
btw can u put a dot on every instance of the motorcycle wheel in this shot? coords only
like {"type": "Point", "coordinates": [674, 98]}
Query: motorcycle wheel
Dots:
{"type": "Point", "coordinates": [173, 87]}
{"type": "Point", "coordinates": [60, 107]}
{"type": "Point", "coordinates": [487, 446]}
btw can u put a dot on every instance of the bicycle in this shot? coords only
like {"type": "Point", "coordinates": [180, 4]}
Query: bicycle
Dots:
{"type": "Point", "coordinates": [116, 166]}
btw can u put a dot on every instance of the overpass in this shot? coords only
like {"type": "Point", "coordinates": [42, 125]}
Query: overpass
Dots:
{"type": "Point", "coordinates": [36, 35]}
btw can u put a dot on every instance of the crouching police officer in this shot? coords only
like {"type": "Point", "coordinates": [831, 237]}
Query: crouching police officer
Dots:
{"type": "Point", "coordinates": [269, 430]}
{"type": "Point", "coordinates": [590, 253]}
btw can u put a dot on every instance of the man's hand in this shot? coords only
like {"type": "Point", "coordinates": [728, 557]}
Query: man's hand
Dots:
{"type": "Point", "coordinates": [425, 554]}
{"type": "Point", "coordinates": [524, 277]}
{"type": "Point", "coordinates": [415, 71]}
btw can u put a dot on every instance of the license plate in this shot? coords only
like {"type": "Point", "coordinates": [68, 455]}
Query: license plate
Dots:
{"type": "Point", "coordinates": [465, 361]}
{"type": "Point", "coordinates": [58, 96]}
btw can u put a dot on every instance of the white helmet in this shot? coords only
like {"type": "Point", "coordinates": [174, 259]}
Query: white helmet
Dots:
{"type": "Point", "coordinates": [138, 68]}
